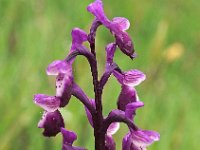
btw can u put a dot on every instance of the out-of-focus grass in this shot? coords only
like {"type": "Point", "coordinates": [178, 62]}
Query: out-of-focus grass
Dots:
{"type": "Point", "coordinates": [167, 39]}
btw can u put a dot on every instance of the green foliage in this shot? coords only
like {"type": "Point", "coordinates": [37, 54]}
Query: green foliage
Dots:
{"type": "Point", "coordinates": [33, 33]}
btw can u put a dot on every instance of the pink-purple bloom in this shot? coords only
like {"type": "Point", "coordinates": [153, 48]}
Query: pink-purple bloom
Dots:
{"type": "Point", "coordinates": [139, 140]}
{"type": "Point", "coordinates": [128, 102]}
{"type": "Point", "coordinates": [117, 26]}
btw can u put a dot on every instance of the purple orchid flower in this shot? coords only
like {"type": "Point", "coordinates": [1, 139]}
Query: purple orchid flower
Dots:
{"type": "Point", "coordinates": [128, 81]}
{"type": "Point", "coordinates": [139, 139]}
{"type": "Point", "coordinates": [117, 26]}
{"type": "Point", "coordinates": [104, 127]}
{"type": "Point", "coordinates": [52, 119]}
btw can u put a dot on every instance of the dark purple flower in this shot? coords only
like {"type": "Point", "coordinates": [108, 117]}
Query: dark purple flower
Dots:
{"type": "Point", "coordinates": [128, 81]}
{"type": "Point", "coordinates": [68, 138]}
{"type": "Point", "coordinates": [51, 122]}
{"type": "Point", "coordinates": [139, 140]}
{"type": "Point", "coordinates": [48, 103]}
{"type": "Point", "coordinates": [117, 26]}
{"type": "Point", "coordinates": [64, 80]}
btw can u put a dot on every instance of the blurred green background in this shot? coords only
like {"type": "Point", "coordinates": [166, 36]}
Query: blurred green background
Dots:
{"type": "Point", "coordinates": [166, 34]}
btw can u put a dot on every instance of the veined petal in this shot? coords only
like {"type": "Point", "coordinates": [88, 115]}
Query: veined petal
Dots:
{"type": "Point", "coordinates": [131, 108]}
{"type": "Point", "coordinates": [140, 139]}
{"type": "Point", "coordinates": [133, 77]}
{"type": "Point", "coordinates": [113, 128]}
{"type": "Point", "coordinates": [64, 84]}
{"type": "Point", "coordinates": [51, 122]}
{"type": "Point", "coordinates": [144, 138]}
{"type": "Point", "coordinates": [122, 23]}
{"type": "Point", "coordinates": [78, 37]}
{"type": "Point", "coordinates": [127, 95]}
{"type": "Point", "coordinates": [58, 66]}
{"type": "Point", "coordinates": [48, 103]}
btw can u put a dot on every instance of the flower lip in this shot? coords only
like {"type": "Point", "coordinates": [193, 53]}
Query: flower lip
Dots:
{"type": "Point", "coordinates": [51, 122]}
{"type": "Point", "coordinates": [127, 95]}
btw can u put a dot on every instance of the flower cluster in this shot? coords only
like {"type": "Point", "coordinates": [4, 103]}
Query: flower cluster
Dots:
{"type": "Point", "coordinates": [104, 126]}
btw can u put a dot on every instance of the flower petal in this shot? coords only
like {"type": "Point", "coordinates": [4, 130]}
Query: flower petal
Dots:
{"type": "Point", "coordinates": [124, 42]}
{"type": "Point", "coordinates": [144, 138]}
{"type": "Point", "coordinates": [51, 122]}
{"type": "Point", "coordinates": [96, 8]}
{"type": "Point", "coordinates": [131, 108]}
{"type": "Point", "coordinates": [127, 95]}
{"type": "Point", "coordinates": [113, 128]}
{"type": "Point", "coordinates": [126, 143]}
{"type": "Point", "coordinates": [110, 50]}
{"type": "Point", "coordinates": [48, 103]}
{"type": "Point", "coordinates": [58, 66]}
{"type": "Point", "coordinates": [68, 136]}
{"type": "Point", "coordinates": [78, 37]}
{"type": "Point", "coordinates": [110, 143]}
{"type": "Point", "coordinates": [122, 23]}
{"type": "Point", "coordinates": [64, 84]}
{"type": "Point", "coordinates": [133, 77]}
